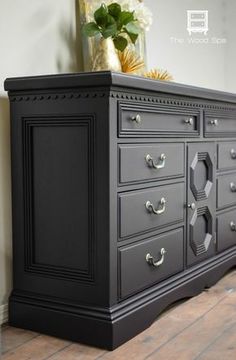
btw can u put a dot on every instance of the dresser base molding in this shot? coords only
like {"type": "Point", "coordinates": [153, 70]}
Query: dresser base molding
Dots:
{"type": "Point", "coordinates": [110, 328]}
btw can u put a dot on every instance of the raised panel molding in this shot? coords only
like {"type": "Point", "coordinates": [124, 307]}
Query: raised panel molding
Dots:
{"type": "Point", "coordinates": [29, 124]}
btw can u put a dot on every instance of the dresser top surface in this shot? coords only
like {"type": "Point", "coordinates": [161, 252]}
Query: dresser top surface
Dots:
{"type": "Point", "coordinates": [112, 79]}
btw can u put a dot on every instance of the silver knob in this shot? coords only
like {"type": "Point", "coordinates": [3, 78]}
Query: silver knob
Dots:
{"type": "Point", "coordinates": [232, 187]}
{"type": "Point", "coordinates": [232, 226]}
{"type": "Point", "coordinates": [192, 206]}
{"type": "Point", "coordinates": [214, 122]}
{"type": "Point", "coordinates": [189, 121]}
{"type": "Point", "coordinates": [136, 118]}
{"type": "Point", "coordinates": [150, 260]}
{"type": "Point", "coordinates": [233, 154]}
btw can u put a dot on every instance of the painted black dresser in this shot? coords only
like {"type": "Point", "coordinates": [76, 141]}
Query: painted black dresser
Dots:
{"type": "Point", "coordinates": [124, 201]}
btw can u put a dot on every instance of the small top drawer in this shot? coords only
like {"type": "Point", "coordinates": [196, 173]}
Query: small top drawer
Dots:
{"type": "Point", "coordinates": [140, 162]}
{"type": "Point", "coordinates": [227, 155]}
{"type": "Point", "coordinates": [150, 261]}
{"type": "Point", "coordinates": [142, 120]}
{"type": "Point", "coordinates": [220, 123]}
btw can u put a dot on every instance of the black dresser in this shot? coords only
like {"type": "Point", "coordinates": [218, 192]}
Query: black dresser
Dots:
{"type": "Point", "coordinates": [124, 201]}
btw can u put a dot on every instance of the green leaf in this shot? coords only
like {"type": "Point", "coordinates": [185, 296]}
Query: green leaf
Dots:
{"type": "Point", "coordinates": [109, 31]}
{"type": "Point", "coordinates": [91, 29]}
{"type": "Point", "coordinates": [100, 15]}
{"type": "Point", "coordinates": [110, 20]}
{"type": "Point", "coordinates": [133, 37]}
{"type": "Point", "coordinates": [125, 17]}
{"type": "Point", "coordinates": [133, 28]}
{"type": "Point", "coordinates": [120, 43]}
{"type": "Point", "coordinates": [114, 10]}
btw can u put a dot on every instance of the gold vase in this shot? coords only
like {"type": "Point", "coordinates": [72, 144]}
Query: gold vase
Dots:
{"type": "Point", "coordinates": [106, 57]}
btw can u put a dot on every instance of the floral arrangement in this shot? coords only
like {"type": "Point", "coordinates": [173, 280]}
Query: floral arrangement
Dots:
{"type": "Point", "coordinates": [142, 12]}
{"type": "Point", "coordinates": [112, 21]}
{"type": "Point", "coordinates": [120, 22]}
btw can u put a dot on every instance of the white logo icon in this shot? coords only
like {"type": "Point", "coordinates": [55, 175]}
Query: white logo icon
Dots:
{"type": "Point", "coordinates": [197, 21]}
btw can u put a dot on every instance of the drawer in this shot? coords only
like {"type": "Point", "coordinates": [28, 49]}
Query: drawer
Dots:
{"type": "Point", "coordinates": [226, 230]}
{"type": "Point", "coordinates": [227, 155]}
{"type": "Point", "coordinates": [226, 190]}
{"type": "Point", "coordinates": [223, 124]}
{"type": "Point", "coordinates": [149, 209]}
{"type": "Point", "coordinates": [150, 162]}
{"type": "Point", "coordinates": [152, 120]}
{"type": "Point", "coordinates": [139, 270]}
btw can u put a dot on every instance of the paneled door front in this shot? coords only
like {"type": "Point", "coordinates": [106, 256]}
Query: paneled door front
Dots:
{"type": "Point", "coordinates": [201, 201]}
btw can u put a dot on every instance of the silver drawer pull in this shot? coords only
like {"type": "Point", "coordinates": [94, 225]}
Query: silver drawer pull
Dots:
{"type": "Point", "coordinates": [136, 118]}
{"type": "Point", "coordinates": [192, 206]}
{"type": "Point", "coordinates": [160, 210]}
{"type": "Point", "coordinates": [150, 260]}
{"type": "Point", "coordinates": [189, 121]}
{"type": "Point", "coordinates": [214, 122]}
{"type": "Point", "coordinates": [157, 166]}
{"type": "Point", "coordinates": [232, 226]}
{"type": "Point", "coordinates": [232, 187]}
{"type": "Point", "coordinates": [233, 154]}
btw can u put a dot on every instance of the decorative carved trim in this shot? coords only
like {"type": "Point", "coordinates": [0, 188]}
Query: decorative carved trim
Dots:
{"type": "Point", "coordinates": [201, 248]}
{"type": "Point", "coordinates": [125, 95]}
{"type": "Point", "coordinates": [47, 269]}
{"type": "Point", "coordinates": [201, 194]}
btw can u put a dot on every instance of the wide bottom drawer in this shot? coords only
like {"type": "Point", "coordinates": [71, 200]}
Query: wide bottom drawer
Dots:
{"type": "Point", "coordinates": [150, 261]}
{"type": "Point", "coordinates": [226, 230]}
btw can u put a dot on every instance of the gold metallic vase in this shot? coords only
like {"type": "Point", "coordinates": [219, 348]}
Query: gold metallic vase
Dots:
{"type": "Point", "coordinates": [106, 57]}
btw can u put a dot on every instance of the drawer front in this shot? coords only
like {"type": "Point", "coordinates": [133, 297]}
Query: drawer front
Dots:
{"type": "Point", "coordinates": [149, 120]}
{"type": "Point", "coordinates": [138, 271]}
{"type": "Point", "coordinates": [226, 230]}
{"type": "Point", "coordinates": [226, 190]}
{"type": "Point", "coordinates": [227, 155]}
{"type": "Point", "coordinates": [150, 162]}
{"type": "Point", "coordinates": [137, 209]}
{"type": "Point", "coordinates": [220, 124]}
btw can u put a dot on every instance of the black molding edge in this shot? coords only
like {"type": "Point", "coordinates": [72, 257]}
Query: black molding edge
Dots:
{"type": "Point", "coordinates": [108, 78]}
{"type": "Point", "coordinates": [110, 327]}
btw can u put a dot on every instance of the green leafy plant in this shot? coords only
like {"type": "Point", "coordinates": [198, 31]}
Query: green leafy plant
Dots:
{"type": "Point", "coordinates": [112, 21]}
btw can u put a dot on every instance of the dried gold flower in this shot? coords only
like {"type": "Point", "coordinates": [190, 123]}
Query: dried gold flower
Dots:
{"type": "Point", "coordinates": [130, 61]}
{"type": "Point", "coordinates": [158, 74]}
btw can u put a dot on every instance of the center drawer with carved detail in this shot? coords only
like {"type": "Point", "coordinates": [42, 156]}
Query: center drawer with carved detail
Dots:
{"type": "Point", "coordinates": [157, 120]}
{"type": "Point", "coordinates": [145, 162]}
{"type": "Point", "coordinates": [145, 210]}
{"type": "Point", "coordinates": [150, 261]}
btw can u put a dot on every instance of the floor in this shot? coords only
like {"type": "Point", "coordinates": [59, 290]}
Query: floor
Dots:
{"type": "Point", "coordinates": [203, 327]}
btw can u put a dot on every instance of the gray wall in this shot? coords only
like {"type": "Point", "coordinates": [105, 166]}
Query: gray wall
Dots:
{"type": "Point", "coordinates": [207, 65]}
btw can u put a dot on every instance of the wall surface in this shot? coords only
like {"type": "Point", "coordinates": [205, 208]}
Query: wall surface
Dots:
{"type": "Point", "coordinates": [41, 37]}
{"type": "Point", "coordinates": [36, 37]}
{"type": "Point", "coordinates": [207, 64]}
